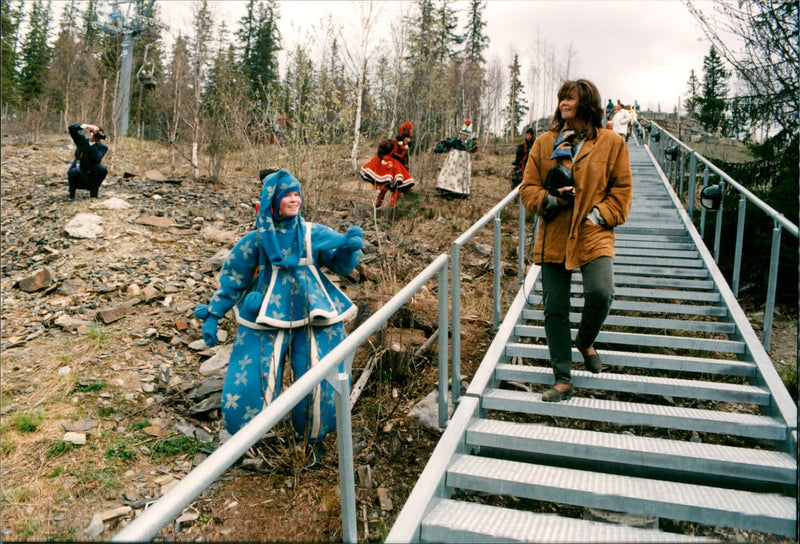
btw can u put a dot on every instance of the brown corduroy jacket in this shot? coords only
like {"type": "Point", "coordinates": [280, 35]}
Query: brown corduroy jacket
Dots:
{"type": "Point", "coordinates": [602, 175]}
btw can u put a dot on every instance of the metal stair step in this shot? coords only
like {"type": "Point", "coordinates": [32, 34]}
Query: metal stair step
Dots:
{"type": "Point", "coordinates": [658, 260]}
{"type": "Point", "coordinates": [628, 413]}
{"type": "Point", "coordinates": [653, 361]}
{"type": "Point", "coordinates": [462, 522]}
{"type": "Point", "coordinates": [706, 460]}
{"type": "Point", "coordinates": [650, 307]}
{"type": "Point", "coordinates": [706, 505]}
{"type": "Point", "coordinates": [669, 294]}
{"type": "Point", "coordinates": [648, 244]}
{"type": "Point", "coordinates": [660, 271]}
{"type": "Point", "coordinates": [680, 283]}
{"type": "Point", "coordinates": [653, 340]}
{"type": "Point", "coordinates": [645, 385]}
{"type": "Point", "coordinates": [657, 252]}
{"type": "Point", "coordinates": [646, 322]}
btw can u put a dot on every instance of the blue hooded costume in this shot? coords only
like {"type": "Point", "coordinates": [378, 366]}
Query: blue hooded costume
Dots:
{"type": "Point", "coordinates": [285, 306]}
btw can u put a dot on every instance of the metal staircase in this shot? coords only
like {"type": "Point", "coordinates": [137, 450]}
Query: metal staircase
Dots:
{"type": "Point", "coordinates": [688, 422]}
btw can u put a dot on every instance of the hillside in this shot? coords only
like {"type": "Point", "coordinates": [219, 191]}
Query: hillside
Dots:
{"type": "Point", "coordinates": [107, 349]}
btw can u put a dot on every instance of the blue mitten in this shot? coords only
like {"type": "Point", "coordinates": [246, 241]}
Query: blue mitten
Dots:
{"type": "Point", "coordinates": [201, 312]}
{"type": "Point", "coordinates": [354, 238]}
{"type": "Point", "coordinates": [210, 331]}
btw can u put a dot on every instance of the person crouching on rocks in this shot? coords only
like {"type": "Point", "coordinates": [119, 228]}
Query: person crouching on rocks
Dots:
{"type": "Point", "coordinates": [286, 307]}
{"type": "Point", "coordinates": [86, 172]}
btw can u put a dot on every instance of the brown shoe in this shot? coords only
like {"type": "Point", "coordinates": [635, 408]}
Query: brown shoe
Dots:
{"type": "Point", "coordinates": [592, 362]}
{"type": "Point", "coordinates": [556, 395]}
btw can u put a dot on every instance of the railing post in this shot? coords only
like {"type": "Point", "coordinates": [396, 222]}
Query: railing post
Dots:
{"type": "Point", "coordinates": [443, 337]}
{"type": "Point", "coordinates": [702, 209]}
{"type": "Point", "coordinates": [718, 229]}
{"type": "Point", "coordinates": [682, 160]}
{"type": "Point", "coordinates": [692, 184]}
{"type": "Point", "coordinates": [521, 245]}
{"type": "Point", "coordinates": [344, 432]}
{"type": "Point", "coordinates": [772, 286]}
{"type": "Point", "coordinates": [455, 302]}
{"type": "Point", "coordinates": [737, 259]}
{"type": "Point", "coordinates": [497, 272]}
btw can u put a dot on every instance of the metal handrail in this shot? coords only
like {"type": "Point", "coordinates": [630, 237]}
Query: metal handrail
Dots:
{"type": "Point", "coordinates": [780, 221]}
{"type": "Point", "coordinates": [455, 272]}
{"type": "Point", "coordinates": [159, 514]}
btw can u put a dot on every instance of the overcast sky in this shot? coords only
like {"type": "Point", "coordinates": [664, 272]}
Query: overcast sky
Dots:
{"type": "Point", "coordinates": [632, 49]}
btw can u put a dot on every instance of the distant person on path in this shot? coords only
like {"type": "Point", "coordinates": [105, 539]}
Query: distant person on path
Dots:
{"type": "Point", "coordinates": [388, 170]}
{"type": "Point", "coordinates": [86, 172]}
{"type": "Point", "coordinates": [621, 121]}
{"type": "Point", "coordinates": [521, 159]}
{"type": "Point", "coordinates": [455, 177]}
{"type": "Point", "coordinates": [286, 307]}
{"type": "Point", "coordinates": [609, 109]}
{"type": "Point", "coordinates": [578, 179]}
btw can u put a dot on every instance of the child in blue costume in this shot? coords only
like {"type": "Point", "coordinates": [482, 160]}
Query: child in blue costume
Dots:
{"type": "Point", "coordinates": [285, 306]}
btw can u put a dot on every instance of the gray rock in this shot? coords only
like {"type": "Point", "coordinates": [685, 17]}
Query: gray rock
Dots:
{"type": "Point", "coordinates": [218, 362]}
{"type": "Point", "coordinates": [212, 385]}
{"type": "Point", "coordinates": [69, 323]}
{"type": "Point", "coordinates": [84, 225]}
{"type": "Point", "coordinates": [81, 426]}
{"type": "Point", "coordinates": [79, 439]}
{"type": "Point", "coordinates": [214, 402]}
{"type": "Point", "coordinates": [95, 528]}
{"type": "Point", "coordinates": [112, 203]}
{"type": "Point", "coordinates": [71, 286]}
{"type": "Point", "coordinates": [426, 411]}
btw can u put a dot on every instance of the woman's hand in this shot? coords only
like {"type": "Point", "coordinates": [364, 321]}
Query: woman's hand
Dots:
{"type": "Point", "coordinates": [566, 195]}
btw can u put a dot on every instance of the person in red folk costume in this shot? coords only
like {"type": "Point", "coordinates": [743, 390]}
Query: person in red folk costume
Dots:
{"type": "Point", "coordinates": [388, 170]}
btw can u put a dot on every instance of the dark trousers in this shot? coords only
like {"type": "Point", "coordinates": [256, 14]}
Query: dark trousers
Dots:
{"type": "Point", "coordinates": [598, 293]}
{"type": "Point", "coordinates": [90, 180]}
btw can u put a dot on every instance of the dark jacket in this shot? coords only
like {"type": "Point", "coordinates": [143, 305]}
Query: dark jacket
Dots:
{"type": "Point", "coordinates": [87, 155]}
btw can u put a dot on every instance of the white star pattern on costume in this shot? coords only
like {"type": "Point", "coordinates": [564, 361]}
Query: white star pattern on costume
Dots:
{"type": "Point", "coordinates": [246, 249]}
{"type": "Point", "coordinates": [276, 299]}
{"type": "Point", "coordinates": [232, 401]}
{"type": "Point", "coordinates": [286, 252]}
{"type": "Point", "coordinates": [241, 378]}
{"type": "Point", "coordinates": [215, 297]}
{"type": "Point", "coordinates": [239, 339]}
{"type": "Point", "coordinates": [237, 277]}
{"type": "Point", "coordinates": [244, 361]}
{"type": "Point", "coordinates": [339, 303]}
{"type": "Point", "coordinates": [250, 413]}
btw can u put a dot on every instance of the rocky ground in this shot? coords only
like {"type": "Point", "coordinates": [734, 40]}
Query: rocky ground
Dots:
{"type": "Point", "coordinates": [108, 394]}
{"type": "Point", "coordinates": [106, 402]}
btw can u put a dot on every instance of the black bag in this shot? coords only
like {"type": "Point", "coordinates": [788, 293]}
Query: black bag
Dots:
{"type": "Point", "coordinates": [557, 177]}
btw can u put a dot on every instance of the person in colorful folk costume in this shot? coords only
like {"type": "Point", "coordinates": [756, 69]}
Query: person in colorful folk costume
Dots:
{"type": "Point", "coordinates": [455, 177]}
{"type": "Point", "coordinates": [521, 159]}
{"type": "Point", "coordinates": [578, 179]}
{"type": "Point", "coordinates": [286, 307]}
{"type": "Point", "coordinates": [388, 170]}
{"type": "Point", "coordinates": [86, 172]}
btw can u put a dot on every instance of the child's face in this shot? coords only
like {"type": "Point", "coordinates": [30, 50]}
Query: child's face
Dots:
{"type": "Point", "coordinates": [290, 205]}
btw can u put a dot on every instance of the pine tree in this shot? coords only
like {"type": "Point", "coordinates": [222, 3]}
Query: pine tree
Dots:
{"type": "Point", "coordinates": [475, 44]}
{"type": "Point", "coordinates": [8, 56]}
{"type": "Point", "coordinates": [261, 40]}
{"type": "Point", "coordinates": [715, 91]}
{"type": "Point", "coordinates": [516, 109]}
{"type": "Point", "coordinates": [692, 104]}
{"type": "Point", "coordinates": [35, 52]}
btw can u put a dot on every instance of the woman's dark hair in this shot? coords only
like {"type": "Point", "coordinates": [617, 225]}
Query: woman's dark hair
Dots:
{"type": "Point", "coordinates": [590, 108]}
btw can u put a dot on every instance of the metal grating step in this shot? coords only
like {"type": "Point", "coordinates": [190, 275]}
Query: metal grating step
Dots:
{"type": "Point", "coordinates": [646, 322]}
{"type": "Point", "coordinates": [643, 385]}
{"type": "Point", "coordinates": [669, 294]}
{"type": "Point", "coordinates": [712, 506]}
{"type": "Point", "coordinates": [638, 451]}
{"type": "Point", "coordinates": [661, 271]}
{"type": "Point", "coordinates": [628, 413]}
{"type": "Point", "coordinates": [655, 340]}
{"type": "Point", "coordinates": [650, 307]}
{"type": "Point", "coordinates": [644, 360]}
{"type": "Point", "coordinates": [469, 522]}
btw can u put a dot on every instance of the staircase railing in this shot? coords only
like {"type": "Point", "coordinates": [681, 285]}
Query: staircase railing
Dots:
{"type": "Point", "coordinates": [160, 513]}
{"type": "Point", "coordinates": [670, 153]}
